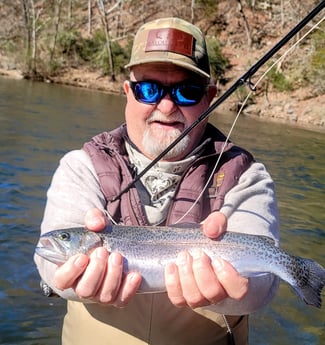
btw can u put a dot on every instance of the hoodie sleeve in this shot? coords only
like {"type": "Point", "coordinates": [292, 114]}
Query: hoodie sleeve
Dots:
{"type": "Point", "coordinates": [251, 206]}
{"type": "Point", "coordinates": [73, 191]}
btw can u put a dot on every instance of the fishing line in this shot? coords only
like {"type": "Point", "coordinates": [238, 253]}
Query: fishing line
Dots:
{"type": "Point", "coordinates": [283, 56]}
{"type": "Point", "coordinates": [110, 217]}
{"type": "Point", "coordinates": [241, 81]}
{"type": "Point", "coordinates": [252, 87]}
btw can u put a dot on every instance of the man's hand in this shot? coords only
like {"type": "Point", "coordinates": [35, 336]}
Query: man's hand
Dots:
{"type": "Point", "coordinates": [98, 277]}
{"type": "Point", "coordinates": [196, 281]}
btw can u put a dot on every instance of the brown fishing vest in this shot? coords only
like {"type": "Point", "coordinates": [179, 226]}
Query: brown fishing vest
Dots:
{"type": "Point", "coordinates": [110, 160]}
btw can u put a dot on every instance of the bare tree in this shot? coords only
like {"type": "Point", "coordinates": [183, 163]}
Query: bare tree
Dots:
{"type": "Point", "coordinates": [246, 25]}
{"type": "Point", "coordinates": [192, 11]}
{"type": "Point", "coordinates": [57, 23]}
{"type": "Point", "coordinates": [89, 17]}
{"type": "Point", "coordinates": [35, 27]}
{"type": "Point", "coordinates": [69, 13]}
{"type": "Point", "coordinates": [282, 14]}
{"type": "Point", "coordinates": [27, 29]}
{"type": "Point", "coordinates": [119, 20]}
{"type": "Point", "coordinates": [103, 15]}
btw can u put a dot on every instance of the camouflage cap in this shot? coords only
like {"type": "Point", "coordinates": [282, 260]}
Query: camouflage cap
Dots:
{"type": "Point", "coordinates": [171, 40]}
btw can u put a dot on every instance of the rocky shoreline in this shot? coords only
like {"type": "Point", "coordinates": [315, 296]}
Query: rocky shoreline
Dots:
{"type": "Point", "coordinates": [297, 108]}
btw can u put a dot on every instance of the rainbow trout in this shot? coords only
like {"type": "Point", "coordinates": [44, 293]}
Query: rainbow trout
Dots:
{"type": "Point", "coordinates": [148, 249]}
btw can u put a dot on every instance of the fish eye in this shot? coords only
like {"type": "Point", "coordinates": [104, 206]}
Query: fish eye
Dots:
{"type": "Point", "coordinates": [64, 236]}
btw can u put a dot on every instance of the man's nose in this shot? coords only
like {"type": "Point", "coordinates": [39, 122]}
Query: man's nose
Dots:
{"type": "Point", "coordinates": [166, 105]}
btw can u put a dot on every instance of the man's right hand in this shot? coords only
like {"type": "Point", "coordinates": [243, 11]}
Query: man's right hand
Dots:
{"type": "Point", "coordinates": [99, 276]}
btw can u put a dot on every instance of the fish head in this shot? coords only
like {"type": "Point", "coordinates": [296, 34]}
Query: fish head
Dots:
{"type": "Point", "coordinates": [58, 246]}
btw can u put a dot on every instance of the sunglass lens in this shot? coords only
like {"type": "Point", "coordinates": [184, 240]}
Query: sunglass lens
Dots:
{"type": "Point", "coordinates": [188, 94]}
{"type": "Point", "coordinates": [147, 92]}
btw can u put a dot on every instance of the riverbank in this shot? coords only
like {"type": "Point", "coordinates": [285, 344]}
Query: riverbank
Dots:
{"type": "Point", "coordinates": [298, 108]}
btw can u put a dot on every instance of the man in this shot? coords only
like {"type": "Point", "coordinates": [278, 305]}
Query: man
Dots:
{"type": "Point", "coordinates": [169, 88]}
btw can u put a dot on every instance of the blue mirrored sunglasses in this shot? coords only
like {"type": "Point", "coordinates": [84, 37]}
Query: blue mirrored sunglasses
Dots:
{"type": "Point", "coordinates": [184, 94]}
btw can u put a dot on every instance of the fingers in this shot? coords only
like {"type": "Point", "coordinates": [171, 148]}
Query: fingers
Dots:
{"type": "Point", "coordinates": [234, 284]}
{"type": "Point", "coordinates": [196, 281]}
{"type": "Point", "coordinates": [129, 287]}
{"type": "Point", "coordinates": [185, 289]}
{"type": "Point", "coordinates": [95, 220]}
{"type": "Point", "coordinates": [99, 278]}
{"type": "Point", "coordinates": [66, 275]}
{"type": "Point", "coordinates": [115, 288]}
{"type": "Point", "coordinates": [214, 225]}
{"type": "Point", "coordinates": [206, 278]}
{"type": "Point", "coordinates": [92, 279]}
{"type": "Point", "coordinates": [192, 281]}
{"type": "Point", "coordinates": [173, 285]}
{"type": "Point", "coordinates": [112, 279]}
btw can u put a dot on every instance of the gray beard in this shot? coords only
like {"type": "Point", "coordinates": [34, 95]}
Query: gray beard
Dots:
{"type": "Point", "coordinates": [155, 147]}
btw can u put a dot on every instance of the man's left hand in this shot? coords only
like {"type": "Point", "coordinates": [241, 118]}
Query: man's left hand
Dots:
{"type": "Point", "coordinates": [196, 280]}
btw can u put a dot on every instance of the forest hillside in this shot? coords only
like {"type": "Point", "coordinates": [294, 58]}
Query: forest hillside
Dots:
{"type": "Point", "coordinates": [86, 43]}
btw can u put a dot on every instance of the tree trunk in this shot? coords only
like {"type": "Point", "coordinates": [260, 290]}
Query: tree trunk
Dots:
{"type": "Point", "coordinates": [119, 21]}
{"type": "Point", "coordinates": [192, 11]}
{"type": "Point", "coordinates": [89, 18]}
{"type": "Point", "coordinates": [34, 40]}
{"type": "Point", "coordinates": [57, 23]}
{"type": "Point", "coordinates": [27, 30]}
{"type": "Point", "coordinates": [108, 42]}
{"type": "Point", "coordinates": [247, 29]}
{"type": "Point", "coordinates": [69, 12]}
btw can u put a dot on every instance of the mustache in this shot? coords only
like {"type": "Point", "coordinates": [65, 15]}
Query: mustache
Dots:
{"type": "Point", "coordinates": [156, 115]}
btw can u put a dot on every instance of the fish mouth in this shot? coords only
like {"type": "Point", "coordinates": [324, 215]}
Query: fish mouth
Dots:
{"type": "Point", "coordinates": [51, 250]}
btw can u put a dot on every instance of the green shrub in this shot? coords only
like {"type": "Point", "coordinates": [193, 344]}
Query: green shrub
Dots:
{"type": "Point", "coordinates": [120, 57]}
{"type": "Point", "coordinates": [90, 48]}
{"type": "Point", "coordinates": [94, 50]}
{"type": "Point", "coordinates": [69, 42]}
{"type": "Point", "coordinates": [208, 7]}
{"type": "Point", "coordinates": [317, 61]}
{"type": "Point", "coordinates": [218, 61]}
{"type": "Point", "coordinates": [278, 80]}
{"type": "Point", "coordinates": [307, 68]}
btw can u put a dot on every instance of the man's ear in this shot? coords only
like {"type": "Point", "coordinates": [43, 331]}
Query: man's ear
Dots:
{"type": "Point", "coordinates": [126, 86]}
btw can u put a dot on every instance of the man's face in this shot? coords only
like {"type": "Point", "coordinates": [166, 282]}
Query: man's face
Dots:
{"type": "Point", "coordinates": [152, 127]}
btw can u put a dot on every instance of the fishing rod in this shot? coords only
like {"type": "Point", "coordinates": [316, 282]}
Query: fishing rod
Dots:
{"type": "Point", "coordinates": [244, 79]}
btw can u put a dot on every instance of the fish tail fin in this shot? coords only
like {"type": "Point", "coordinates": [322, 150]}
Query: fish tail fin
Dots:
{"type": "Point", "coordinates": [311, 282]}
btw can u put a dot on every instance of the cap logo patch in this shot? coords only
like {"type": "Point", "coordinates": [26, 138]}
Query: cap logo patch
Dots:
{"type": "Point", "coordinates": [170, 39]}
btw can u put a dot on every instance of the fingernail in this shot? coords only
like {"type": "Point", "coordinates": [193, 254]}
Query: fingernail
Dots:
{"type": "Point", "coordinates": [134, 278]}
{"type": "Point", "coordinates": [196, 254]}
{"type": "Point", "coordinates": [94, 222]}
{"type": "Point", "coordinates": [116, 259]}
{"type": "Point", "coordinates": [218, 265]}
{"type": "Point", "coordinates": [181, 258]}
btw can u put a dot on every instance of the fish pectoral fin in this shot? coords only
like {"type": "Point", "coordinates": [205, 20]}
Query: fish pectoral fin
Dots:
{"type": "Point", "coordinates": [250, 274]}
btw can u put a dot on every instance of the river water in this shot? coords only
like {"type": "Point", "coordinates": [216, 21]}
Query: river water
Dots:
{"type": "Point", "coordinates": [40, 122]}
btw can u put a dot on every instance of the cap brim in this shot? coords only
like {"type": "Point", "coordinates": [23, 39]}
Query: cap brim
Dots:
{"type": "Point", "coordinates": [183, 64]}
